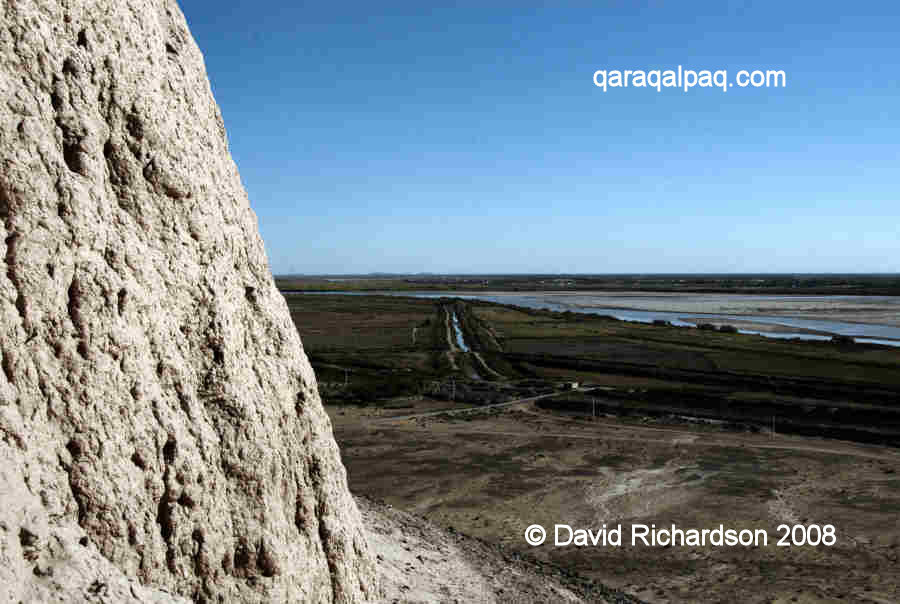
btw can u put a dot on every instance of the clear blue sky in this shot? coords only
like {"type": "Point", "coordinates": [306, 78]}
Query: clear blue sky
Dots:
{"type": "Point", "coordinates": [380, 136]}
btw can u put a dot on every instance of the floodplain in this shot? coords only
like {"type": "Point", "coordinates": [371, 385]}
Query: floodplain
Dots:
{"type": "Point", "coordinates": [580, 419]}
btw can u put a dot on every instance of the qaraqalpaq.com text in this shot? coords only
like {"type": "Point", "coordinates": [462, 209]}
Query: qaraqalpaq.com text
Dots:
{"type": "Point", "coordinates": [685, 79]}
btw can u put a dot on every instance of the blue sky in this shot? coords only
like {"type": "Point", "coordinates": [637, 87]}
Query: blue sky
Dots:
{"type": "Point", "coordinates": [400, 137]}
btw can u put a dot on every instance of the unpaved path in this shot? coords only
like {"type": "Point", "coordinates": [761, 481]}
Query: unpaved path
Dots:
{"type": "Point", "coordinates": [463, 410]}
{"type": "Point", "coordinates": [620, 432]}
{"type": "Point", "coordinates": [487, 367]}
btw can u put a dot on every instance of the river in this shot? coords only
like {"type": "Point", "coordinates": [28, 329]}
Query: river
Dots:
{"type": "Point", "coordinates": [680, 314]}
{"type": "Point", "coordinates": [460, 340]}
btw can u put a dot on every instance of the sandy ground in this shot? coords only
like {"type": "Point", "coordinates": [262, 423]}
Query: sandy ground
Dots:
{"type": "Point", "coordinates": [491, 476]}
{"type": "Point", "coordinates": [419, 562]}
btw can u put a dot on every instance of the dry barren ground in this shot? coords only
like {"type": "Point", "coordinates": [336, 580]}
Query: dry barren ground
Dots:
{"type": "Point", "coordinates": [491, 476]}
{"type": "Point", "coordinates": [420, 562]}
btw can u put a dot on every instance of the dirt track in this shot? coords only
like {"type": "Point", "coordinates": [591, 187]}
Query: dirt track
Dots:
{"type": "Point", "coordinates": [680, 437]}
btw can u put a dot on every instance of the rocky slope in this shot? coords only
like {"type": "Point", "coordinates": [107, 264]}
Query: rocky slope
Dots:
{"type": "Point", "coordinates": [420, 562]}
{"type": "Point", "coordinates": [161, 434]}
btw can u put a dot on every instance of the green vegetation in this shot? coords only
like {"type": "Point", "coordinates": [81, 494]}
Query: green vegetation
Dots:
{"type": "Point", "coordinates": [367, 348]}
{"type": "Point", "coordinates": [589, 337]}
{"type": "Point", "coordinates": [883, 285]}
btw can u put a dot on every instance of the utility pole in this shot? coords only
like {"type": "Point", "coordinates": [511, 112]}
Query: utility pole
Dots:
{"type": "Point", "coordinates": [346, 376]}
{"type": "Point", "coordinates": [414, 335]}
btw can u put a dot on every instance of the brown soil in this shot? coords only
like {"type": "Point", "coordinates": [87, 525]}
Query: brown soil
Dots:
{"type": "Point", "coordinates": [419, 562]}
{"type": "Point", "coordinates": [491, 476]}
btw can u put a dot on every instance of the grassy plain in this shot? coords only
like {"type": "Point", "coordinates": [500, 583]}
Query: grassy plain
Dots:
{"type": "Point", "coordinates": [792, 284]}
{"type": "Point", "coordinates": [569, 334]}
